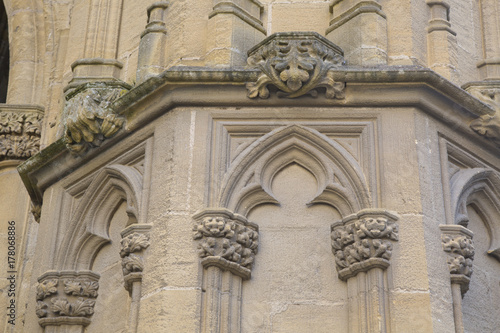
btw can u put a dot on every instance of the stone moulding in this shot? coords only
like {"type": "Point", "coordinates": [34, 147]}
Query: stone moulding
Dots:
{"type": "Point", "coordinates": [20, 131]}
{"type": "Point", "coordinates": [89, 118]}
{"type": "Point", "coordinates": [362, 241]}
{"type": "Point", "coordinates": [226, 240]}
{"type": "Point", "coordinates": [66, 297]}
{"type": "Point", "coordinates": [297, 63]}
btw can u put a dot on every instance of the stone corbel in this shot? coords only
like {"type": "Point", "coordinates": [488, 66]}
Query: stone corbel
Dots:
{"type": "Point", "coordinates": [135, 240]}
{"type": "Point", "coordinates": [297, 63]}
{"type": "Point", "coordinates": [89, 118]}
{"type": "Point", "coordinates": [227, 245]}
{"type": "Point", "coordinates": [487, 125]}
{"type": "Point", "coordinates": [66, 298]}
{"type": "Point", "coordinates": [458, 245]}
{"type": "Point", "coordinates": [362, 244]}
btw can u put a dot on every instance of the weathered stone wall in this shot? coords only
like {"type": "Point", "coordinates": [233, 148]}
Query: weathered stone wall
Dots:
{"type": "Point", "coordinates": [251, 166]}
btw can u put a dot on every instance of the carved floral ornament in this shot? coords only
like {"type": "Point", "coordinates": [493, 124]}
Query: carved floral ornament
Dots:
{"type": "Point", "coordinates": [458, 245]}
{"type": "Point", "coordinates": [363, 241]}
{"type": "Point", "coordinates": [226, 240]}
{"type": "Point", "coordinates": [297, 63]}
{"type": "Point", "coordinates": [19, 134]}
{"type": "Point", "coordinates": [132, 246]}
{"type": "Point", "coordinates": [66, 297]}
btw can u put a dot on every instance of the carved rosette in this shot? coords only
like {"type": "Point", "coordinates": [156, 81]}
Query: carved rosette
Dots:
{"type": "Point", "coordinates": [297, 63]}
{"type": "Point", "coordinates": [226, 240]}
{"type": "Point", "coordinates": [135, 240]}
{"type": "Point", "coordinates": [20, 131]}
{"type": "Point", "coordinates": [66, 298]}
{"type": "Point", "coordinates": [458, 245]}
{"type": "Point", "coordinates": [363, 241]}
{"type": "Point", "coordinates": [89, 116]}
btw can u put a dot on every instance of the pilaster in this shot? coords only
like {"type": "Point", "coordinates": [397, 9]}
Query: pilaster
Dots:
{"type": "Point", "coordinates": [151, 59]}
{"type": "Point", "coordinates": [227, 246]}
{"type": "Point", "coordinates": [360, 28]}
{"type": "Point", "coordinates": [233, 28]}
{"type": "Point", "coordinates": [489, 66]}
{"type": "Point", "coordinates": [458, 245]}
{"type": "Point", "coordinates": [362, 245]}
{"type": "Point", "coordinates": [135, 240]}
{"type": "Point", "coordinates": [441, 40]}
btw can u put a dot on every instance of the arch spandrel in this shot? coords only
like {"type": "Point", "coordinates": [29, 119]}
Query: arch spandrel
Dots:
{"type": "Point", "coordinates": [89, 225]}
{"type": "Point", "coordinates": [341, 182]}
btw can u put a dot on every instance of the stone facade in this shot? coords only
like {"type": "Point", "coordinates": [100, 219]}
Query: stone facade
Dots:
{"type": "Point", "coordinates": [250, 166]}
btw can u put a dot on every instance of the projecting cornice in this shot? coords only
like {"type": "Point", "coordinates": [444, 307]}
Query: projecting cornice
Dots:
{"type": "Point", "coordinates": [381, 86]}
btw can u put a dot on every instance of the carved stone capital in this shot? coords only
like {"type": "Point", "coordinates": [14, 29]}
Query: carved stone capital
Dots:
{"type": "Point", "coordinates": [458, 245]}
{"type": "Point", "coordinates": [297, 63]}
{"type": "Point", "coordinates": [135, 239]}
{"type": "Point", "coordinates": [66, 297]}
{"type": "Point", "coordinates": [20, 130]}
{"type": "Point", "coordinates": [363, 241]}
{"type": "Point", "coordinates": [89, 118]}
{"type": "Point", "coordinates": [226, 240]}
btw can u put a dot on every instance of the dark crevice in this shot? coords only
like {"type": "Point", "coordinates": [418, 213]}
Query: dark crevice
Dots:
{"type": "Point", "coordinates": [4, 54]}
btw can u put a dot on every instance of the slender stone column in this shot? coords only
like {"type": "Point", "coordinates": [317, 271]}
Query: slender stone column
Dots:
{"type": "Point", "coordinates": [362, 245]}
{"type": "Point", "coordinates": [360, 28]}
{"type": "Point", "coordinates": [65, 300]}
{"type": "Point", "coordinates": [441, 40]}
{"type": "Point", "coordinates": [135, 240]}
{"type": "Point", "coordinates": [457, 243]}
{"type": "Point", "coordinates": [227, 245]}
{"type": "Point", "coordinates": [151, 59]}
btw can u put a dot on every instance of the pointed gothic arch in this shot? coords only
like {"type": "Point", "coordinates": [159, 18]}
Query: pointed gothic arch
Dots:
{"type": "Point", "coordinates": [480, 188]}
{"type": "Point", "coordinates": [89, 224]}
{"type": "Point", "coordinates": [340, 178]}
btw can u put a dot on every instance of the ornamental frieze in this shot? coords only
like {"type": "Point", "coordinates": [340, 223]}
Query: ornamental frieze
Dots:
{"type": "Point", "coordinates": [363, 241]}
{"type": "Point", "coordinates": [296, 63]}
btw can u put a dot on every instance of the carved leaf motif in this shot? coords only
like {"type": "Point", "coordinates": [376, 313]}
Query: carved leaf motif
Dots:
{"type": "Point", "coordinates": [132, 263]}
{"type": "Point", "coordinates": [81, 288]}
{"type": "Point", "coordinates": [61, 306]}
{"type": "Point", "coordinates": [46, 288]}
{"type": "Point", "coordinates": [134, 243]}
{"type": "Point", "coordinates": [83, 307]}
{"type": "Point", "coordinates": [11, 122]}
{"type": "Point", "coordinates": [461, 252]}
{"type": "Point", "coordinates": [207, 247]}
{"type": "Point", "coordinates": [41, 309]}
{"type": "Point", "coordinates": [32, 124]}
